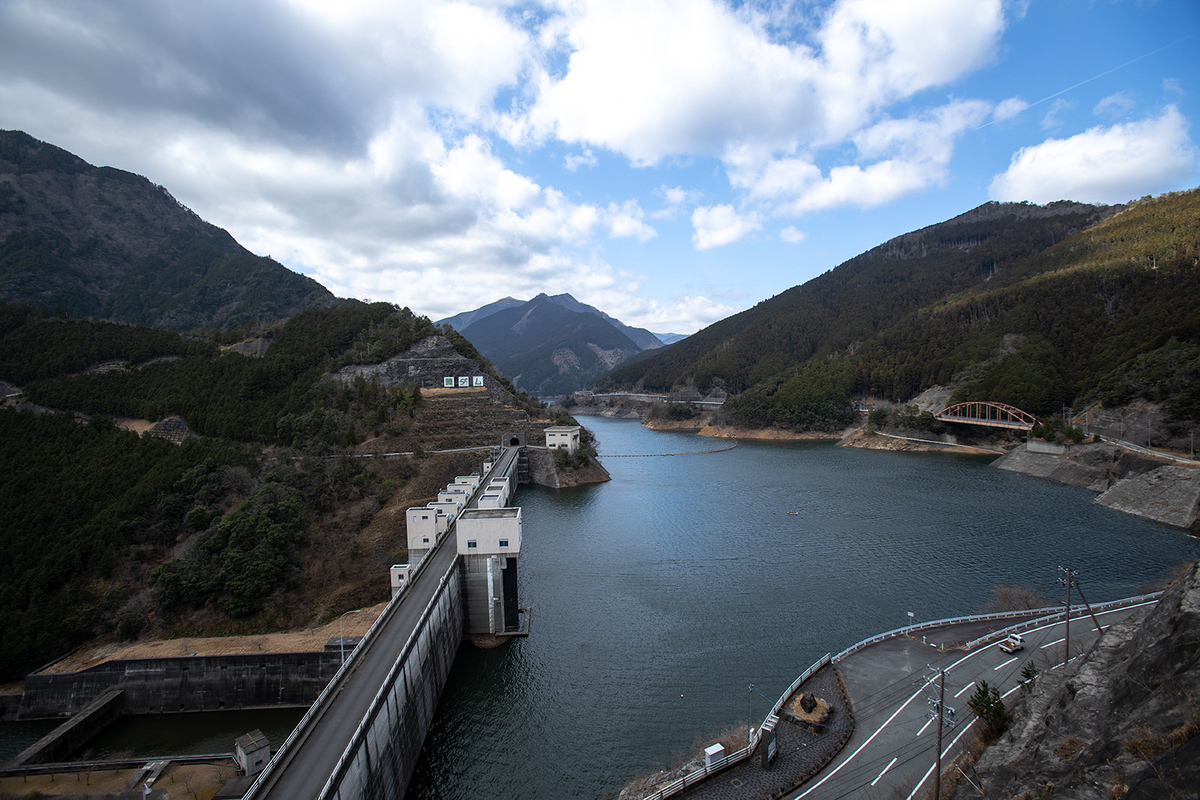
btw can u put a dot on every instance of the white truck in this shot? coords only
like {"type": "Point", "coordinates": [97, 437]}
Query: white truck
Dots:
{"type": "Point", "coordinates": [1013, 643]}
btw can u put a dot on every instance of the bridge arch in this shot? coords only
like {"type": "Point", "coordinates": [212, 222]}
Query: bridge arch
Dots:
{"type": "Point", "coordinates": [992, 415]}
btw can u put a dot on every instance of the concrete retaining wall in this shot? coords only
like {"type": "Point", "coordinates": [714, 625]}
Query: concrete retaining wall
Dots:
{"type": "Point", "coordinates": [75, 732]}
{"type": "Point", "coordinates": [198, 683]}
{"type": "Point", "coordinates": [386, 748]}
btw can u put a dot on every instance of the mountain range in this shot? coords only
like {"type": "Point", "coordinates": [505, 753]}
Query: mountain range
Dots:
{"type": "Point", "coordinates": [1035, 306]}
{"type": "Point", "coordinates": [551, 345]}
{"type": "Point", "coordinates": [100, 242]}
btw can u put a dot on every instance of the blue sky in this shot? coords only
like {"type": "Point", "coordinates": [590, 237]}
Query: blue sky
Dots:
{"type": "Point", "coordinates": [670, 163]}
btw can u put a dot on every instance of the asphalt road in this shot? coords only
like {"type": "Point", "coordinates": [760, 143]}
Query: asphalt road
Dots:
{"type": "Point", "coordinates": [891, 753]}
{"type": "Point", "coordinates": [311, 763]}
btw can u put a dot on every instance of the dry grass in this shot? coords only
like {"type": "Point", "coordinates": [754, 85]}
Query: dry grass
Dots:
{"type": "Point", "coordinates": [1069, 747]}
{"type": "Point", "coordinates": [1185, 732]}
{"type": "Point", "coordinates": [303, 641]}
{"type": "Point", "coordinates": [1146, 745]}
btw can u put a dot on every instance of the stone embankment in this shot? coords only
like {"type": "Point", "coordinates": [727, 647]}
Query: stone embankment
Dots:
{"type": "Point", "coordinates": [1121, 722]}
{"type": "Point", "coordinates": [1127, 481]}
{"type": "Point", "coordinates": [544, 472]}
{"type": "Point", "coordinates": [869, 439]}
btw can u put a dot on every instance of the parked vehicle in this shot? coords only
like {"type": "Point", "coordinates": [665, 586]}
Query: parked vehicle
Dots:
{"type": "Point", "coordinates": [1013, 643]}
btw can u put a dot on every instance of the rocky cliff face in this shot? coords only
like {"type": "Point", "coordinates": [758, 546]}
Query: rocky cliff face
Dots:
{"type": "Point", "coordinates": [1129, 482]}
{"type": "Point", "coordinates": [1121, 722]}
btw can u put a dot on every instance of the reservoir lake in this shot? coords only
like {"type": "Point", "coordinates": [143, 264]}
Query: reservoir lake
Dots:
{"type": "Point", "coordinates": [659, 597]}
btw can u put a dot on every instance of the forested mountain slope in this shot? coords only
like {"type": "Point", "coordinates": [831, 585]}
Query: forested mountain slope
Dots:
{"type": "Point", "coordinates": [1035, 306]}
{"type": "Point", "coordinates": [103, 530]}
{"type": "Point", "coordinates": [101, 242]}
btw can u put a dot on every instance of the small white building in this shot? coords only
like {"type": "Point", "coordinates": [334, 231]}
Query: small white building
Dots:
{"type": "Point", "coordinates": [502, 487]}
{"type": "Point", "coordinates": [490, 500]}
{"type": "Point", "coordinates": [447, 512]}
{"type": "Point", "coordinates": [453, 496]}
{"type": "Point", "coordinates": [489, 531]}
{"type": "Point", "coordinates": [563, 437]}
{"type": "Point", "coordinates": [422, 525]}
{"type": "Point", "coordinates": [400, 574]}
{"type": "Point", "coordinates": [472, 480]}
{"type": "Point", "coordinates": [252, 751]}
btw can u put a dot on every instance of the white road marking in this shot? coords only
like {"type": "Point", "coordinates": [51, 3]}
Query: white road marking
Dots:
{"type": "Point", "coordinates": [1051, 644]}
{"type": "Point", "coordinates": [968, 727]}
{"type": "Point", "coordinates": [928, 722]}
{"type": "Point", "coordinates": [885, 769]}
{"type": "Point", "coordinates": [867, 742]}
{"type": "Point", "coordinates": [1005, 664]}
{"type": "Point", "coordinates": [963, 689]}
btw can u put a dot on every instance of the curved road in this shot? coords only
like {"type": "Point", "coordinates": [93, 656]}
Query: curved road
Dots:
{"type": "Point", "coordinates": [892, 750]}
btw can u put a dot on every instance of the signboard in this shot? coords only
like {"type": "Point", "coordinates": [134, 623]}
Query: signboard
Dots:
{"type": "Point", "coordinates": [448, 383]}
{"type": "Point", "coordinates": [477, 380]}
{"type": "Point", "coordinates": [464, 381]}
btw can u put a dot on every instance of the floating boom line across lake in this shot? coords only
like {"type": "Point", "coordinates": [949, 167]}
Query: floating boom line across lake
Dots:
{"type": "Point", "coordinates": [662, 455]}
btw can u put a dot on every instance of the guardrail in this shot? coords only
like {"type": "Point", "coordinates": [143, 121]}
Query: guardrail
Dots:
{"type": "Point", "coordinates": [381, 696]}
{"type": "Point", "coordinates": [1039, 615]}
{"type": "Point", "coordinates": [1082, 609]}
{"type": "Point", "coordinates": [284, 754]}
{"type": "Point", "coordinates": [692, 778]}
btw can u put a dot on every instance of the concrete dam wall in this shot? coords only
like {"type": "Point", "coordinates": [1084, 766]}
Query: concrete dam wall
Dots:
{"type": "Point", "coordinates": [198, 683]}
{"type": "Point", "coordinates": [385, 749]}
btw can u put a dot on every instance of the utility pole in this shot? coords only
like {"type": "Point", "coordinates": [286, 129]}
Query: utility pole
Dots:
{"type": "Point", "coordinates": [749, 711]}
{"type": "Point", "coordinates": [1088, 606]}
{"type": "Point", "coordinates": [937, 773]}
{"type": "Point", "coordinates": [1067, 627]}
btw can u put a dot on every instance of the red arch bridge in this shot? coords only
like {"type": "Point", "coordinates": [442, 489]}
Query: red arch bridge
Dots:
{"type": "Point", "coordinates": [994, 415]}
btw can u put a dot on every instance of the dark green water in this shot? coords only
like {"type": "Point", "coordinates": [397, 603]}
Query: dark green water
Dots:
{"type": "Point", "coordinates": [195, 733]}
{"type": "Point", "coordinates": [657, 598]}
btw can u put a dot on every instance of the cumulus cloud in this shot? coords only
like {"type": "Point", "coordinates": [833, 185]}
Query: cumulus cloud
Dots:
{"type": "Point", "coordinates": [627, 220]}
{"type": "Point", "coordinates": [1007, 109]}
{"type": "Point", "coordinates": [1103, 164]}
{"type": "Point", "coordinates": [367, 143]}
{"type": "Point", "coordinates": [899, 157]}
{"type": "Point", "coordinates": [791, 235]}
{"type": "Point", "coordinates": [690, 76]}
{"type": "Point", "coordinates": [1114, 106]}
{"type": "Point", "coordinates": [574, 161]}
{"type": "Point", "coordinates": [717, 226]}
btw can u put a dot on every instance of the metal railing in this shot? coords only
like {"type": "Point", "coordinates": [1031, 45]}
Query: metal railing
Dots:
{"type": "Point", "coordinates": [1082, 609]}
{"type": "Point", "coordinates": [692, 778]}
{"type": "Point", "coordinates": [299, 733]}
{"type": "Point", "coordinates": [380, 697]}
{"type": "Point", "coordinates": [1038, 615]}
{"type": "Point", "coordinates": [283, 755]}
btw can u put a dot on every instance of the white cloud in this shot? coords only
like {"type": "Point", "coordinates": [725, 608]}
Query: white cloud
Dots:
{"type": "Point", "coordinates": [717, 226]}
{"type": "Point", "coordinates": [900, 156]}
{"type": "Point", "coordinates": [574, 161]}
{"type": "Point", "coordinates": [1114, 106]}
{"type": "Point", "coordinates": [627, 220]}
{"type": "Point", "coordinates": [1103, 164]}
{"type": "Point", "coordinates": [1007, 109]}
{"type": "Point", "coordinates": [693, 77]}
{"type": "Point", "coordinates": [1051, 120]}
{"type": "Point", "coordinates": [791, 235]}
